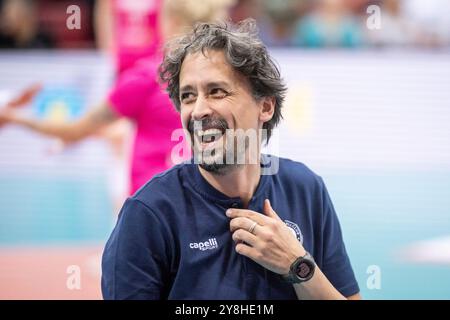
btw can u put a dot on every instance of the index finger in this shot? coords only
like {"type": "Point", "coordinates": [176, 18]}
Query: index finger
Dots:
{"type": "Point", "coordinates": [259, 218]}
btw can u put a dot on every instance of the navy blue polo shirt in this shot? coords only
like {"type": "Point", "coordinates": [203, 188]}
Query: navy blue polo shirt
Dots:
{"type": "Point", "coordinates": [173, 241]}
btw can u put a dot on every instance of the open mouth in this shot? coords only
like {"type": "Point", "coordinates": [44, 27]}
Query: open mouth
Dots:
{"type": "Point", "coordinates": [208, 138]}
{"type": "Point", "coordinates": [207, 133]}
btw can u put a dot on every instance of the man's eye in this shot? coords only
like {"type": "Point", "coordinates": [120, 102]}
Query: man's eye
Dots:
{"type": "Point", "coordinates": [218, 93]}
{"type": "Point", "coordinates": [187, 97]}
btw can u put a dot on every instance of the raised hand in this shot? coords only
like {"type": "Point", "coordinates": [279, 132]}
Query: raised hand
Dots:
{"type": "Point", "coordinates": [264, 238]}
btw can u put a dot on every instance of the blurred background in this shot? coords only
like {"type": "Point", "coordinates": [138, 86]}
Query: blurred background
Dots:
{"type": "Point", "coordinates": [368, 109]}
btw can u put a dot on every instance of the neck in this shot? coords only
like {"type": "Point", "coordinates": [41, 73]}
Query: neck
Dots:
{"type": "Point", "coordinates": [241, 181]}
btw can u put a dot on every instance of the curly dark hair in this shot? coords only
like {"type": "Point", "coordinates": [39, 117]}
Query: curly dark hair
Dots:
{"type": "Point", "coordinates": [243, 50]}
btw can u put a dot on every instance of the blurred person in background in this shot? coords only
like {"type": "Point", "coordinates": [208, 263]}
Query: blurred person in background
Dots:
{"type": "Point", "coordinates": [405, 23]}
{"type": "Point", "coordinates": [138, 97]}
{"type": "Point", "coordinates": [431, 21]}
{"type": "Point", "coordinates": [278, 26]}
{"type": "Point", "coordinates": [394, 30]}
{"type": "Point", "coordinates": [329, 24]}
{"type": "Point", "coordinates": [19, 26]}
{"type": "Point", "coordinates": [276, 18]}
{"type": "Point", "coordinates": [128, 29]}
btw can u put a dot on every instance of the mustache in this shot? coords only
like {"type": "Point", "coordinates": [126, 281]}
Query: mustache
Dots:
{"type": "Point", "coordinates": [207, 123]}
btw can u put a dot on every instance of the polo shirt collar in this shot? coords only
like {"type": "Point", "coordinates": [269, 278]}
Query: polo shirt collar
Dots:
{"type": "Point", "coordinates": [206, 190]}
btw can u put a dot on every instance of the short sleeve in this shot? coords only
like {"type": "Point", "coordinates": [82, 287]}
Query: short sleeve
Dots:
{"type": "Point", "coordinates": [136, 262]}
{"type": "Point", "coordinates": [336, 263]}
{"type": "Point", "coordinates": [132, 91]}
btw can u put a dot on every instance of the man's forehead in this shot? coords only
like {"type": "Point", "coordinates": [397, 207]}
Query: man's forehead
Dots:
{"type": "Point", "coordinates": [210, 67]}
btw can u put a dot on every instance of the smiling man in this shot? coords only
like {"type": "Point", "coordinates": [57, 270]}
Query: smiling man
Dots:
{"type": "Point", "coordinates": [232, 223]}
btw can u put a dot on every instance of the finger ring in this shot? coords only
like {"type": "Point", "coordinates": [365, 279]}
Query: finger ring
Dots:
{"type": "Point", "coordinates": [252, 227]}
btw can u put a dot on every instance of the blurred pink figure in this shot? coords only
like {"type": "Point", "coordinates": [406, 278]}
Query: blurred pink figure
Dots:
{"type": "Point", "coordinates": [128, 28]}
{"type": "Point", "coordinates": [137, 97]}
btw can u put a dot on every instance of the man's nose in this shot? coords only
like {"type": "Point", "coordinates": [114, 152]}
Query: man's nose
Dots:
{"type": "Point", "coordinates": [201, 109]}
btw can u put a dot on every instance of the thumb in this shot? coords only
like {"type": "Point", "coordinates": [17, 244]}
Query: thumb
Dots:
{"type": "Point", "coordinates": [268, 211]}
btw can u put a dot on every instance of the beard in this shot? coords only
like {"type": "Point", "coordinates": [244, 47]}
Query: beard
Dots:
{"type": "Point", "coordinates": [220, 159]}
{"type": "Point", "coordinates": [216, 163]}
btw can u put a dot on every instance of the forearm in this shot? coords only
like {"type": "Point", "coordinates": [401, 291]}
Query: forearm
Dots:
{"type": "Point", "coordinates": [317, 288]}
{"type": "Point", "coordinates": [64, 131]}
{"type": "Point", "coordinates": [69, 131]}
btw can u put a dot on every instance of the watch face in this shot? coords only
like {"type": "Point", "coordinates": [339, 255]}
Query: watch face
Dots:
{"type": "Point", "coordinates": [303, 270]}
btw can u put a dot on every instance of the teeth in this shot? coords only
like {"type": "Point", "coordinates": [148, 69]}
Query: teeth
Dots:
{"type": "Point", "coordinates": [209, 135]}
{"type": "Point", "coordinates": [201, 133]}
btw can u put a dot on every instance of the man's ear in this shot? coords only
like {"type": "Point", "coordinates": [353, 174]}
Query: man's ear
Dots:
{"type": "Point", "coordinates": [267, 109]}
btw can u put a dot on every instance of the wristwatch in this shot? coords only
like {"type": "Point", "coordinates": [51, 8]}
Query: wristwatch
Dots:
{"type": "Point", "coordinates": [301, 270]}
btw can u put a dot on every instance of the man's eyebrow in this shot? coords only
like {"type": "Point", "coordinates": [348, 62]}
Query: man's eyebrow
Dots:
{"type": "Point", "coordinates": [186, 88]}
{"type": "Point", "coordinates": [215, 84]}
{"type": "Point", "coordinates": [209, 86]}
